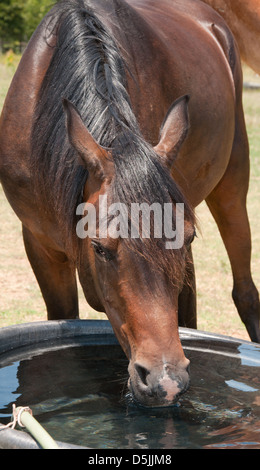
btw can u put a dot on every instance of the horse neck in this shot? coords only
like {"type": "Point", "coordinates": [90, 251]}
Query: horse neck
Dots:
{"type": "Point", "coordinates": [129, 27]}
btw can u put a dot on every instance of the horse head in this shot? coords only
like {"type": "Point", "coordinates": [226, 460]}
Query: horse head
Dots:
{"type": "Point", "coordinates": [136, 278]}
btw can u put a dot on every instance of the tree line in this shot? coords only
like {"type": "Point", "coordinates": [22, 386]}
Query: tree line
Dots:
{"type": "Point", "coordinates": [19, 19]}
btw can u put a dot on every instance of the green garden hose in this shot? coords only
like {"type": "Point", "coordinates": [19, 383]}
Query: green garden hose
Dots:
{"type": "Point", "coordinates": [25, 419]}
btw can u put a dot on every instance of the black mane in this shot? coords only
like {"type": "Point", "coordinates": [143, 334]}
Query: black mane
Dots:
{"type": "Point", "coordinates": [88, 69]}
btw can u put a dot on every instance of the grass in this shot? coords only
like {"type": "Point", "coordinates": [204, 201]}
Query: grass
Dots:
{"type": "Point", "coordinates": [20, 297]}
{"type": "Point", "coordinates": [8, 64]}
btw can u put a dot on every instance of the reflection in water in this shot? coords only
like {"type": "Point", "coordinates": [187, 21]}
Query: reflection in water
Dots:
{"type": "Point", "coordinates": [249, 354]}
{"type": "Point", "coordinates": [240, 386]}
{"type": "Point", "coordinates": [80, 396]}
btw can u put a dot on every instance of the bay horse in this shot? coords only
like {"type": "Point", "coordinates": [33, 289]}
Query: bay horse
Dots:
{"type": "Point", "coordinates": [136, 101]}
{"type": "Point", "coordinates": [243, 18]}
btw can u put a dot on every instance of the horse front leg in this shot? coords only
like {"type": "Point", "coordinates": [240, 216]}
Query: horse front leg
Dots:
{"type": "Point", "coordinates": [227, 203]}
{"type": "Point", "coordinates": [187, 304]}
{"type": "Point", "coordinates": [56, 277]}
{"type": "Point", "coordinates": [234, 228]}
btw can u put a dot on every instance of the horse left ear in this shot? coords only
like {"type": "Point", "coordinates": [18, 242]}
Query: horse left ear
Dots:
{"type": "Point", "coordinates": [92, 155]}
{"type": "Point", "coordinates": [173, 131]}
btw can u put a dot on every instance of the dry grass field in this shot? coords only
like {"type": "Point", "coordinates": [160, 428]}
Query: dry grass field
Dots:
{"type": "Point", "coordinates": [20, 297]}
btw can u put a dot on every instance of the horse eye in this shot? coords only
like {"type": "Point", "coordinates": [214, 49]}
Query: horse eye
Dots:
{"type": "Point", "coordinates": [192, 237]}
{"type": "Point", "coordinates": [190, 240]}
{"type": "Point", "coordinates": [101, 251]}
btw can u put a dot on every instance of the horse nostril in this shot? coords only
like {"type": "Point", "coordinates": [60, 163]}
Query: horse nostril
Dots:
{"type": "Point", "coordinates": [143, 373]}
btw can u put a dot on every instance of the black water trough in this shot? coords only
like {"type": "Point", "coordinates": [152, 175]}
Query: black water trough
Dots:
{"type": "Point", "coordinates": [73, 375]}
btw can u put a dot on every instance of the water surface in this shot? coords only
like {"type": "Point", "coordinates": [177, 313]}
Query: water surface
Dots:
{"type": "Point", "coordinates": [79, 394]}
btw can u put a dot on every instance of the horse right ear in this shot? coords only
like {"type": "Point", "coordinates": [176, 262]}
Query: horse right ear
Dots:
{"type": "Point", "coordinates": [92, 155]}
{"type": "Point", "coordinates": [173, 131]}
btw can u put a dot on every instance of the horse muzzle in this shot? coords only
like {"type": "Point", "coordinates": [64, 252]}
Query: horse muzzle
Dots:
{"type": "Point", "coordinates": [158, 386]}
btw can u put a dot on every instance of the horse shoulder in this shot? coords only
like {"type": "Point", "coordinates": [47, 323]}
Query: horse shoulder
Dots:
{"type": "Point", "coordinates": [16, 124]}
{"type": "Point", "coordinates": [17, 113]}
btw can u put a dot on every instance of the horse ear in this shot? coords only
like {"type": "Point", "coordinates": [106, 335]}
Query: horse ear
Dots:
{"type": "Point", "coordinates": [92, 155]}
{"type": "Point", "coordinates": [173, 131]}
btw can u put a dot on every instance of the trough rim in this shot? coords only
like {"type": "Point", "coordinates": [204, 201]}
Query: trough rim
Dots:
{"type": "Point", "coordinates": [48, 335]}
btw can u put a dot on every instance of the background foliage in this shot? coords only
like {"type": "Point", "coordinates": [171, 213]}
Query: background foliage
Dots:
{"type": "Point", "coordinates": [19, 19]}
